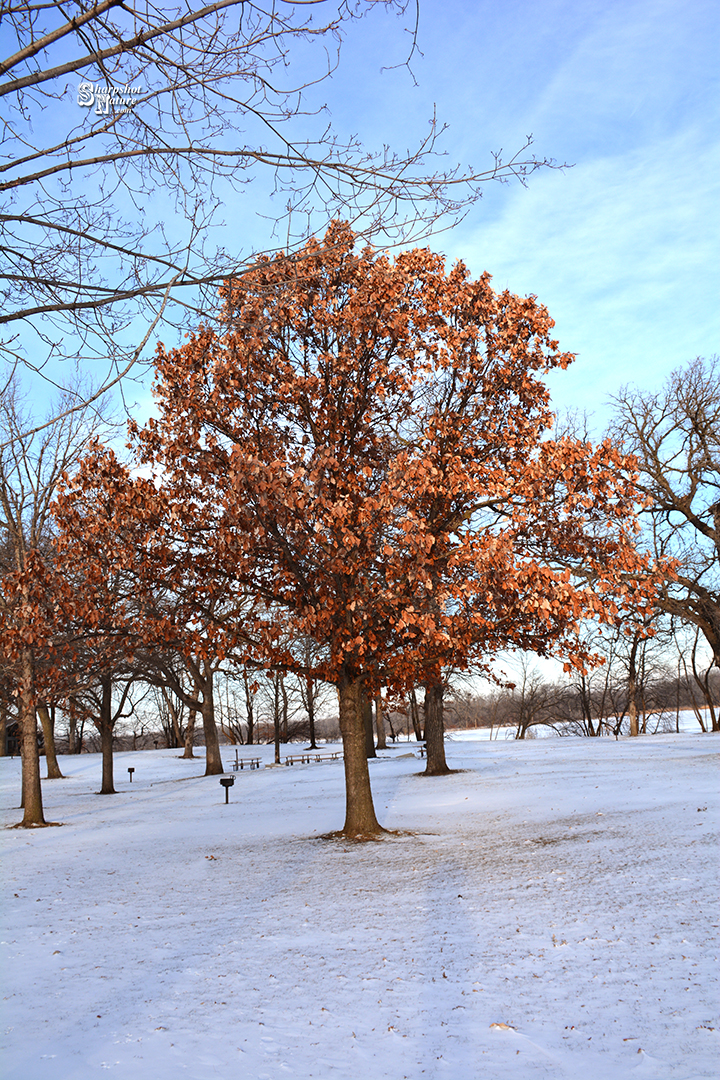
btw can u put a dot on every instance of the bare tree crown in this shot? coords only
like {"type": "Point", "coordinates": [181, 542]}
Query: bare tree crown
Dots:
{"type": "Point", "coordinates": [159, 117]}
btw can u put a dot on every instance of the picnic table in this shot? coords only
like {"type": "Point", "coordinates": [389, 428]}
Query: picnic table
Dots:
{"type": "Point", "coordinates": [307, 756]}
{"type": "Point", "coordinates": [245, 763]}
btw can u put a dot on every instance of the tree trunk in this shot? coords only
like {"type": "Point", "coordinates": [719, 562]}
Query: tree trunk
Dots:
{"type": "Point", "coordinates": [380, 723]}
{"type": "Point", "coordinates": [632, 709]}
{"type": "Point", "coordinates": [435, 729]}
{"type": "Point", "coordinates": [3, 731]}
{"type": "Point", "coordinates": [632, 690]}
{"type": "Point", "coordinates": [366, 706]}
{"type": "Point", "coordinates": [360, 819]}
{"type": "Point", "coordinates": [276, 734]}
{"type": "Point", "coordinates": [213, 761]}
{"type": "Point", "coordinates": [31, 786]}
{"type": "Point", "coordinates": [73, 747]}
{"type": "Point", "coordinates": [310, 690]}
{"type": "Point", "coordinates": [106, 745]}
{"type": "Point", "coordinates": [190, 734]}
{"type": "Point", "coordinates": [283, 693]}
{"type": "Point", "coordinates": [177, 733]}
{"type": "Point", "coordinates": [72, 734]}
{"type": "Point", "coordinates": [249, 709]}
{"type": "Point", "coordinates": [48, 726]}
{"type": "Point", "coordinates": [105, 726]}
{"type": "Point", "coordinates": [586, 707]}
{"type": "Point", "coordinates": [173, 708]}
{"type": "Point", "coordinates": [415, 717]}
{"type": "Point", "coordinates": [703, 681]}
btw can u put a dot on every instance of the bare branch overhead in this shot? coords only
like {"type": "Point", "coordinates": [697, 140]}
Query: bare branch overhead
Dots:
{"type": "Point", "coordinates": [116, 184]}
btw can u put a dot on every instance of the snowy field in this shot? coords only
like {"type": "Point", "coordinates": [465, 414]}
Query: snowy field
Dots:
{"type": "Point", "coordinates": [548, 911]}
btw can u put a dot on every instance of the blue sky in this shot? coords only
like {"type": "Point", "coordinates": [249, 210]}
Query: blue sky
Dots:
{"type": "Point", "coordinates": [623, 248]}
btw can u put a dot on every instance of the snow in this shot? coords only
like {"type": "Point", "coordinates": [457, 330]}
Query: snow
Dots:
{"type": "Point", "coordinates": [547, 912]}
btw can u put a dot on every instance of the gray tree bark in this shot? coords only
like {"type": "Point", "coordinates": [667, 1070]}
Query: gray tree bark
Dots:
{"type": "Point", "coordinates": [105, 725]}
{"type": "Point", "coordinates": [3, 730]}
{"type": "Point", "coordinates": [380, 723]}
{"type": "Point", "coordinates": [367, 715]}
{"type": "Point", "coordinates": [213, 761]}
{"type": "Point", "coordinates": [435, 729]}
{"type": "Point", "coordinates": [190, 734]}
{"type": "Point", "coordinates": [415, 717]}
{"type": "Point", "coordinates": [360, 819]}
{"type": "Point", "coordinates": [48, 726]}
{"type": "Point", "coordinates": [31, 786]}
{"type": "Point", "coordinates": [632, 690]}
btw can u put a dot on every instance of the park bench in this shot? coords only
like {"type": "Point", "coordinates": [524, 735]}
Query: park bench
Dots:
{"type": "Point", "coordinates": [307, 757]}
{"type": "Point", "coordinates": [245, 763]}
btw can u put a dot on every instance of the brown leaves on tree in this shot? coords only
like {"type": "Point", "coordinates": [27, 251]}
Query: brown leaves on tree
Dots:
{"type": "Point", "coordinates": [360, 449]}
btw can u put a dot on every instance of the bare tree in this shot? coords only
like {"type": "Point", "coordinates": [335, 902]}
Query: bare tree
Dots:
{"type": "Point", "coordinates": [276, 708]}
{"type": "Point", "coordinates": [192, 101]}
{"type": "Point", "coordinates": [675, 436]}
{"type": "Point", "coordinates": [532, 700]}
{"type": "Point", "coordinates": [170, 713]}
{"type": "Point", "coordinates": [164, 670]}
{"type": "Point", "coordinates": [107, 703]}
{"type": "Point", "coordinates": [75, 726]}
{"type": "Point", "coordinates": [697, 676]}
{"type": "Point", "coordinates": [312, 691]}
{"type": "Point", "coordinates": [250, 690]}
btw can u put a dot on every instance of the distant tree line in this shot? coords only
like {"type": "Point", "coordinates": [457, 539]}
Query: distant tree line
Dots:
{"type": "Point", "coordinates": [582, 707]}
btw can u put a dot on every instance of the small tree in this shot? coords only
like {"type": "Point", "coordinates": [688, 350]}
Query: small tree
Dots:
{"type": "Point", "coordinates": [105, 704]}
{"type": "Point", "coordinates": [532, 700]}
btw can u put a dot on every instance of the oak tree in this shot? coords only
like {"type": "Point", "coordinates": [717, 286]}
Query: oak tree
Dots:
{"type": "Point", "coordinates": [369, 436]}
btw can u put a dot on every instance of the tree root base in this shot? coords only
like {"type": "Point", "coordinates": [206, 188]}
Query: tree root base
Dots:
{"type": "Point", "coordinates": [37, 825]}
{"type": "Point", "coordinates": [357, 838]}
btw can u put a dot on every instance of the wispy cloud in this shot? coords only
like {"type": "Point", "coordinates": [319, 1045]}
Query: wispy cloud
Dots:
{"type": "Point", "coordinates": [622, 248]}
{"type": "Point", "coordinates": [622, 251]}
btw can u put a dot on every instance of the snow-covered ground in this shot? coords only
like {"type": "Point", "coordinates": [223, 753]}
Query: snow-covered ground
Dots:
{"type": "Point", "coordinates": [548, 911]}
